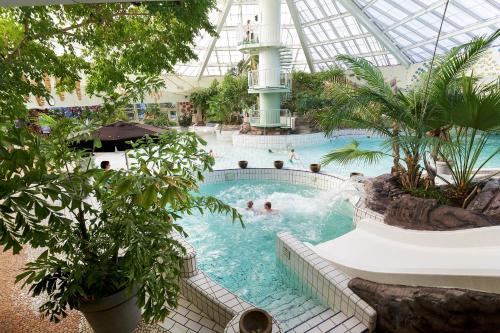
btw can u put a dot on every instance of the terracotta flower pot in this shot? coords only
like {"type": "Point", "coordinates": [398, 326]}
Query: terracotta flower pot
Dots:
{"type": "Point", "coordinates": [356, 174]}
{"type": "Point", "coordinates": [315, 167]}
{"type": "Point", "coordinates": [243, 164]}
{"type": "Point", "coordinates": [116, 313]}
{"type": "Point", "coordinates": [278, 164]}
{"type": "Point", "coordinates": [256, 320]}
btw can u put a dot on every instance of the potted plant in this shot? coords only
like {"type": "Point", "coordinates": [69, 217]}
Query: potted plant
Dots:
{"type": "Point", "coordinates": [255, 320]}
{"type": "Point", "coordinates": [315, 167]}
{"type": "Point", "coordinates": [243, 164]}
{"type": "Point", "coordinates": [117, 226]}
{"type": "Point", "coordinates": [185, 120]}
{"type": "Point", "coordinates": [278, 164]}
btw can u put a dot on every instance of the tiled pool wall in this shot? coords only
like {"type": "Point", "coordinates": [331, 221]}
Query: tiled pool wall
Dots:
{"type": "Point", "coordinates": [290, 141]}
{"type": "Point", "coordinates": [324, 281]}
{"type": "Point", "coordinates": [319, 278]}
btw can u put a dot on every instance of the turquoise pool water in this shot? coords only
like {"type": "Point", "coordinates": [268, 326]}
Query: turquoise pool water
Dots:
{"type": "Point", "coordinates": [228, 155]}
{"type": "Point", "coordinates": [244, 260]}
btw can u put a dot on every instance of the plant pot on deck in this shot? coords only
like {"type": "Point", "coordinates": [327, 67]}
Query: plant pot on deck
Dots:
{"type": "Point", "coordinates": [256, 320]}
{"type": "Point", "coordinates": [315, 167]}
{"type": "Point", "coordinates": [116, 313]}
{"type": "Point", "coordinates": [278, 164]}
{"type": "Point", "coordinates": [243, 164]}
{"type": "Point", "coordinates": [356, 174]}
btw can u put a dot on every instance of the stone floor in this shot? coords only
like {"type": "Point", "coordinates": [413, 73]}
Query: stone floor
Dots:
{"type": "Point", "coordinates": [17, 314]}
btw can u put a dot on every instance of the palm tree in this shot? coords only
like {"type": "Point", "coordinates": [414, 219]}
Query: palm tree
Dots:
{"type": "Point", "coordinates": [404, 117]}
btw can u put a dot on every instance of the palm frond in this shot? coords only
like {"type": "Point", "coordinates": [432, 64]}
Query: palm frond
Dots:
{"type": "Point", "coordinates": [352, 153]}
{"type": "Point", "coordinates": [460, 59]}
{"type": "Point", "coordinates": [368, 72]}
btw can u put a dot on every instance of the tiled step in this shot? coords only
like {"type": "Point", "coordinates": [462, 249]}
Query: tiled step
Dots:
{"type": "Point", "coordinates": [329, 321]}
{"type": "Point", "coordinates": [187, 318]}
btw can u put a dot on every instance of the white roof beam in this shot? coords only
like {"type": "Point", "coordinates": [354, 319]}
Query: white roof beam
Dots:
{"type": "Point", "coordinates": [375, 30]}
{"type": "Point", "coordinates": [343, 39]}
{"type": "Point", "coordinates": [220, 24]}
{"type": "Point", "coordinates": [324, 19]}
{"type": "Point", "coordinates": [361, 55]}
{"type": "Point", "coordinates": [493, 23]}
{"type": "Point", "coordinates": [424, 11]}
{"type": "Point", "coordinates": [300, 33]}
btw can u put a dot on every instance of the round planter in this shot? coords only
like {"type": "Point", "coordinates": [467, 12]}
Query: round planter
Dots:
{"type": "Point", "coordinates": [442, 168]}
{"type": "Point", "coordinates": [256, 320]}
{"type": "Point", "coordinates": [356, 174]}
{"type": "Point", "coordinates": [278, 164]}
{"type": "Point", "coordinates": [315, 167]}
{"type": "Point", "coordinates": [243, 164]}
{"type": "Point", "coordinates": [116, 313]}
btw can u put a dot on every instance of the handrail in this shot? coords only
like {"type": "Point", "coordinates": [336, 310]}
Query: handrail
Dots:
{"type": "Point", "coordinates": [256, 33]}
{"type": "Point", "coordinates": [286, 119]}
{"type": "Point", "coordinates": [269, 78]}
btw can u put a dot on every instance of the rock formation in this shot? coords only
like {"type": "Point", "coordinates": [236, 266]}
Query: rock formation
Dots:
{"type": "Point", "coordinates": [405, 309]}
{"type": "Point", "coordinates": [488, 200]}
{"type": "Point", "coordinates": [427, 214]}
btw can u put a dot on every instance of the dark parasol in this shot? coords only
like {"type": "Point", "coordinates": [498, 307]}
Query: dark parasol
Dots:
{"type": "Point", "coordinates": [115, 136]}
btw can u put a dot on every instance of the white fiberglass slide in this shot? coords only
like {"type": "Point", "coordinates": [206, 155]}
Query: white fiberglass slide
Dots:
{"type": "Point", "coordinates": [378, 252]}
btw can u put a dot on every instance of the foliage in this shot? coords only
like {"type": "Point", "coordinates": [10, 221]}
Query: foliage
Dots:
{"type": "Point", "coordinates": [231, 100]}
{"type": "Point", "coordinates": [308, 92]}
{"type": "Point", "coordinates": [411, 113]}
{"type": "Point", "coordinates": [431, 193]}
{"type": "Point", "coordinates": [201, 98]}
{"type": "Point", "coordinates": [117, 226]}
{"type": "Point", "coordinates": [154, 116]}
{"type": "Point", "coordinates": [100, 231]}
{"type": "Point", "coordinates": [185, 120]}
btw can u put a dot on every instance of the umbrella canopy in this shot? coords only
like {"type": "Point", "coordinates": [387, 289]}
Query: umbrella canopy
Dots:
{"type": "Point", "coordinates": [115, 136]}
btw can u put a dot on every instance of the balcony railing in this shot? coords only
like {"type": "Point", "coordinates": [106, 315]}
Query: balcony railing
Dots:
{"type": "Point", "coordinates": [269, 78]}
{"type": "Point", "coordinates": [252, 33]}
{"type": "Point", "coordinates": [285, 120]}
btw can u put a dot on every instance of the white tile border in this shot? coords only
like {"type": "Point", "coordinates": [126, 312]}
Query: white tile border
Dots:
{"type": "Point", "coordinates": [291, 140]}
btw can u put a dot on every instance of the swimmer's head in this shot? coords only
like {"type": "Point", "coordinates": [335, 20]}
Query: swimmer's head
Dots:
{"type": "Point", "coordinates": [267, 205]}
{"type": "Point", "coordinates": [250, 204]}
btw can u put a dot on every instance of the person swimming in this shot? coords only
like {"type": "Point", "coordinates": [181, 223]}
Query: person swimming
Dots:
{"type": "Point", "coordinates": [293, 156]}
{"type": "Point", "coordinates": [250, 206]}
{"type": "Point", "coordinates": [268, 208]}
{"type": "Point", "coordinates": [270, 151]}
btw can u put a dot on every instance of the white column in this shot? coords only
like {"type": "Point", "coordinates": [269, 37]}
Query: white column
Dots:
{"type": "Point", "coordinates": [269, 61]}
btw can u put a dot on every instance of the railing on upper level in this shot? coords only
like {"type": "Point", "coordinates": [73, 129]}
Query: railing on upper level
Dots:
{"type": "Point", "coordinates": [255, 33]}
{"type": "Point", "coordinates": [269, 78]}
{"type": "Point", "coordinates": [285, 120]}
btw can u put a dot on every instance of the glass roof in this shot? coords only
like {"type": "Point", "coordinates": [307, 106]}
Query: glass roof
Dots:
{"type": "Point", "coordinates": [386, 32]}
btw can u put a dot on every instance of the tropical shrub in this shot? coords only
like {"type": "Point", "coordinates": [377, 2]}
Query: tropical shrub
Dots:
{"type": "Point", "coordinates": [98, 231]}
{"type": "Point", "coordinates": [185, 120]}
{"type": "Point", "coordinates": [231, 100]}
{"type": "Point", "coordinates": [411, 113]}
{"type": "Point", "coordinates": [201, 98]}
{"type": "Point", "coordinates": [117, 226]}
{"type": "Point", "coordinates": [154, 116]}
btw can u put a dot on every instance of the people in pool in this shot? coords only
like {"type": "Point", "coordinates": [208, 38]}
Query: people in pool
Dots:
{"type": "Point", "coordinates": [293, 156]}
{"type": "Point", "coordinates": [213, 154]}
{"type": "Point", "coordinates": [268, 208]}
{"type": "Point", "coordinates": [250, 206]}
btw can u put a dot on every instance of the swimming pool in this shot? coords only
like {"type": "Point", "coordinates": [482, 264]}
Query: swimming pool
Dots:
{"type": "Point", "coordinates": [229, 155]}
{"type": "Point", "coordinates": [244, 259]}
